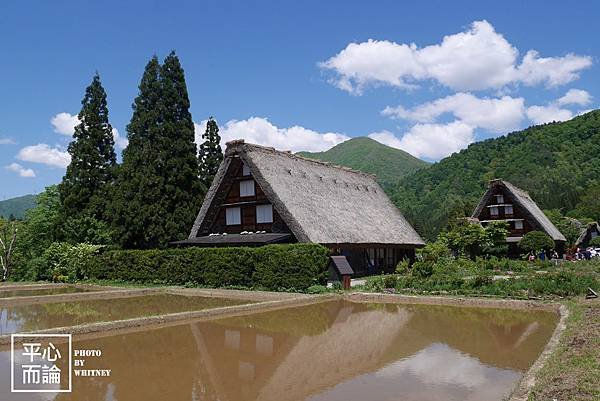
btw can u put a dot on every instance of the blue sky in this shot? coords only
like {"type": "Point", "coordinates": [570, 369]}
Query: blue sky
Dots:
{"type": "Point", "coordinates": [296, 75]}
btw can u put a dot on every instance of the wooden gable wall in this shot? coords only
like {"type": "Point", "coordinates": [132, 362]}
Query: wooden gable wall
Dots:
{"type": "Point", "coordinates": [228, 195]}
{"type": "Point", "coordinates": [518, 213]}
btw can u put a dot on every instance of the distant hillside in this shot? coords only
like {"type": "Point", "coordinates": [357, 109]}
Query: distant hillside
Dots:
{"type": "Point", "coordinates": [556, 163]}
{"type": "Point", "coordinates": [370, 156]}
{"type": "Point", "coordinates": [16, 206]}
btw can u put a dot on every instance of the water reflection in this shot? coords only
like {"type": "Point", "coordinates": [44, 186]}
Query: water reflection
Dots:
{"type": "Point", "coordinates": [24, 318]}
{"type": "Point", "coordinates": [330, 351]}
{"type": "Point", "coordinates": [34, 292]}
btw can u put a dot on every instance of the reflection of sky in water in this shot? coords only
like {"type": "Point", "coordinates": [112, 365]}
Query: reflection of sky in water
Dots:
{"type": "Point", "coordinates": [6, 395]}
{"type": "Point", "coordinates": [436, 372]}
{"type": "Point", "coordinates": [9, 323]}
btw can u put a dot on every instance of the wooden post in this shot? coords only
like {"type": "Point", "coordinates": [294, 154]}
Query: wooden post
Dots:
{"type": "Point", "coordinates": [346, 282]}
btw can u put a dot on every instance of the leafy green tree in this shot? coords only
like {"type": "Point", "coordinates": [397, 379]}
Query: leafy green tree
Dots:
{"type": "Point", "coordinates": [84, 188]}
{"type": "Point", "coordinates": [590, 202]}
{"type": "Point", "coordinates": [470, 239]}
{"type": "Point", "coordinates": [8, 239]}
{"type": "Point", "coordinates": [569, 227]}
{"type": "Point", "coordinates": [210, 154]}
{"type": "Point", "coordinates": [535, 242]}
{"type": "Point", "coordinates": [86, 229]}
{"type": "Point", "coordinates": [158, 192]}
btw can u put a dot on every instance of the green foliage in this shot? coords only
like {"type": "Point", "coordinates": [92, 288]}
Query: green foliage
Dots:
{"type": "Point", "coordinates": [535, 242]}
{"type": "Point", "coordinates": [370, 156]}
{"type": "Point", "coordinates": [595, 242]}
{"type": "Point", "coordinates": [273, 267]}
{"type": "Point", "coordinates": [16, 206]}
{"type": "Point", "coordinates": [86, 229]}
{"type": "Point", "coordinates": [467, 277]}
{"type": "Point", "coordinates": [41, 224]}
{"type": "Point", "coordinates": [317, 289]}
{"type": "Point", "coordinates": [403, 266]}
{"type": "Point", "coordinates": [210, 154]}
{"type": "Point", "coordinates": [63, 262]}
{"type": "Point", "coordinates": [569, 227]}
{"type": "Point", "coordinates": [158, 192]}
{"type": "Point", "coordinates": [556, 163]}
{"type": "Point", "coordinates": [589, 205]}
{"type": "Point", "coordinates": [84, 188]}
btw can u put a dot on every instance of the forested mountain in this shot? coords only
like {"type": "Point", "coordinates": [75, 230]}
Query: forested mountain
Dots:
{"type": "Point", "coordinates": [557, 163]}
{"type": "Point", "coordinates": [16, 206]}
{"type": "Point", "coordinates": [370, 156]}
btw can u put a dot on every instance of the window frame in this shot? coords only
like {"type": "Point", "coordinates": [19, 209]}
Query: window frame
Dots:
{"type": "Point", "coordinates": [228, 222]}
{"type": "Point", "coordinates": [264, 206]}
{"type": "Point", "coordinates": [243, 184]}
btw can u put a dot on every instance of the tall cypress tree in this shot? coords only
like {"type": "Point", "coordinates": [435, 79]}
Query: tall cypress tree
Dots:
{"type": "Point", "coordinates": [210, 154]}
{"type": "Point", "coordinates": [83, 190]}
{"type": "Point", "coordinates": [158, 191]}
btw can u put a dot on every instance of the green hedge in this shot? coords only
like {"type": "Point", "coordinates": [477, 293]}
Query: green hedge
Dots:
{"type": "Point", "coordinates": [272, 267]}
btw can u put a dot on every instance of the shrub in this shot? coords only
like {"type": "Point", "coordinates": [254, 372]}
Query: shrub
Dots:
{"type": "Point", "coordinates": [272, 267]}
{"type": "Point", "coordinates": [595, 242]}
{"type": "Point", "coordinates": [536, 241]}
{"type": "Point", "coordinates": [65, 262]}
{"type": "Point", "coordinates": [390, 281]}
{"type": "Point", "coordinates": [316, 289]}
{"type": "Point", "coordinates": [403, 266]}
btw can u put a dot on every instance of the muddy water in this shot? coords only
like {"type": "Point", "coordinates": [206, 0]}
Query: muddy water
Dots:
{"type": "Point", "coordinates": [33, 292]}
{"type": "Point", "coordinates": [330, 351]}
{"type": "Point", "coordinates": [24, 318]}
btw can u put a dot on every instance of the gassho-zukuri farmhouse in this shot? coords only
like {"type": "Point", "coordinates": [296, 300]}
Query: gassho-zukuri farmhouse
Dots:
{"type": "Point", "coordinates": [263, 196]}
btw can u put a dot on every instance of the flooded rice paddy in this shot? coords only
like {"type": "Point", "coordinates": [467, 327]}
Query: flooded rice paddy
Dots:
{"type": "Point", "coordinates": [335, 350]}
{"type": "Point", "coordinates": [35, 292]}
{"type": "Point", "coordinates": [25, 318]}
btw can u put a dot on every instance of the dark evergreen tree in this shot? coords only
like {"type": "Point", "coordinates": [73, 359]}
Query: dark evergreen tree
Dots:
{"type": "Point", "coordinates": [83, 190]}
{"type": "Point", "coordinates": [158, 192]}
{"type": "Point", "coordinates": [210, 154]}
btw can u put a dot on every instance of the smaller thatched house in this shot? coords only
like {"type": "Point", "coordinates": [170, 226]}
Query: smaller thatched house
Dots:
{"type": "Point", "coordinates": [590, 232]}
{"type": "Point", "coordinates": [264, 196]}
{"type": "Point", "coordinates": [505, 202]}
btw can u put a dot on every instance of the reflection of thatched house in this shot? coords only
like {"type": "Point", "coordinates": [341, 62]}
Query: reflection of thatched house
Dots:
{"type": "Point", "coordinates": [590, 232]}
{"type": "Point", "coordinates": [505, 202]}
{"type": "Point", "coordinates": [261, 195]}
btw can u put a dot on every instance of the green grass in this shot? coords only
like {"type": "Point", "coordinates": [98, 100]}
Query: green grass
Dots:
{"type": "Point", "coordinates": [572, 371]}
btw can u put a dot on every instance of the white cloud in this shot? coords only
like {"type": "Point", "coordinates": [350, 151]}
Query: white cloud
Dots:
{"type": "Point", "coordinates": [121, 142]}
{"type": "Point", "coordinates": [44, 154]}
{"type": "Point", "coordinates": [476, 59]}
{"type": "Point", "coordinates": [64, 123]}
{"type": "Point", "coordinates": [262, 132]}
{"type": "Point", "coordinates": [575, 96]}
{"type": "Point", "coordinates": [495, 115]}
{"type": "Point", "coordinates": [22, 171]}
{"type": "Point", "coordinates": [430, 141]}
{"type": "Point", "coordinates": [546, 114]}
{"type": "Point", "coordinates": [7, 141]}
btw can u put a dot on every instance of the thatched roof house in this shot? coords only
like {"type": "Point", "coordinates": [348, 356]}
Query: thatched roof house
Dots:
{"type": "Point", "coordinates": [294, 199]}
{"type": "Point", "coordinates": [504, 201]}
{"type": "Point", "coordinates": [591, 231]}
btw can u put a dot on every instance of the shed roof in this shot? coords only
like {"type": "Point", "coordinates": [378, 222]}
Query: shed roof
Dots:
{"type": "Point", "coordinates": [341, 265]}
{"type": "Point", "coordinates": [522, 199]}
{"type": "Point", "coordinates": [319, 202]}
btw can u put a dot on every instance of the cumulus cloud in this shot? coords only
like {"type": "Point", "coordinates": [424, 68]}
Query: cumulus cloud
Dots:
{"type": "Point", "coordinates": [64, 123]}
{"type": "Point", "coordinates": [575, 96]}
{"type": "Point", "coordinates": [121, 142]}
{"type": "Point", "coordinates": [261, 131]}
{"type": "Point", "coordinates": [547, 114]}
{"type": "Point", "coordinates": [495, 115]}
{"type": "Point", "coordinates": [7, 141]}
{"type": "Point", "coordinates": [44, 154]}
{"type": "Point", "coordinates": [22, 171]}
{"type": "Point", "coordinates": [430, 141]}
{"type": "Point", "coordinates": [476, 59]}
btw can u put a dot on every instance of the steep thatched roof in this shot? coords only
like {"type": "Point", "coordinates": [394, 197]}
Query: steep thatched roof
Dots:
{"type": "Point", "coordinates": [319, 202]}
{"type": "Point", "coordinates": [586, 230]}
{"type": "Point", "coordinates": [529, 207]}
